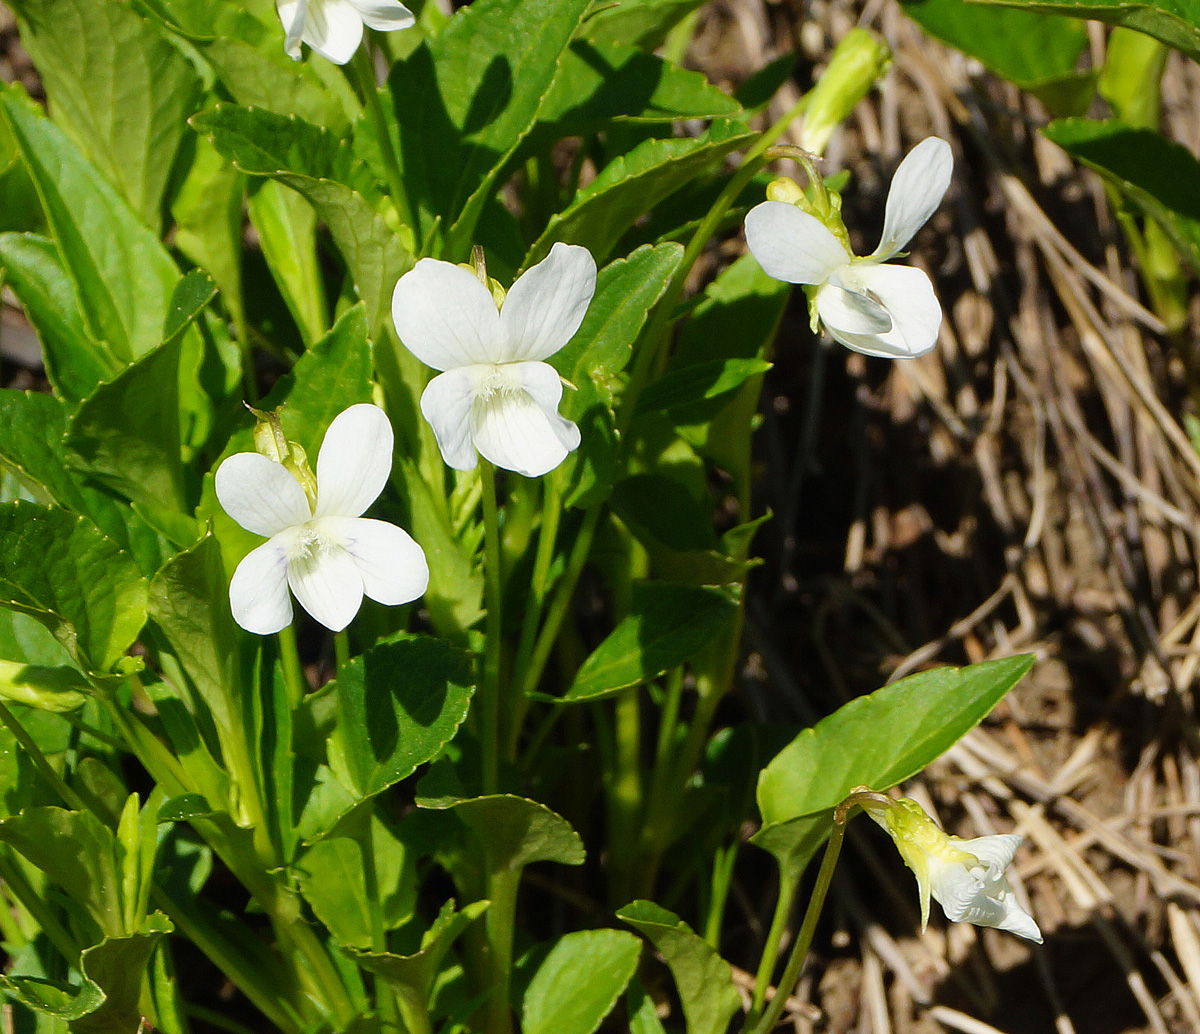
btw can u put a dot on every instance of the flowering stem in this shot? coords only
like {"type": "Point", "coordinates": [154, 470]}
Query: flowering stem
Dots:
{"type": "Point", "coordinates": [791, 973]}
{"type": "Point", "coordinates": [294, 682]}
{"type": "Point", "coordinates": [489, 697]}
{"type": "Point", "coordinates": [341, 648]}
{"type": "Point", "coordinates": [364, 70]}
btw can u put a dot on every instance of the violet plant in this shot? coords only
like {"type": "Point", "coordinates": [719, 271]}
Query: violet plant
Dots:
{"type": "Point", "coordinates": [515, 205]}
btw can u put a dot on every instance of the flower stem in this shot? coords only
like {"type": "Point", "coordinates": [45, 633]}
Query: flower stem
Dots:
{"type": "Point", "coordinates": [341, 648]}
{"type": "Point", "coordinates": [364, 71]}
{"type": "Point", "coordinates": [489, 697]}
{"type": "Point", "coordinates": [294, 682]}
{"type": "Point", "coordinates": [791, 973]}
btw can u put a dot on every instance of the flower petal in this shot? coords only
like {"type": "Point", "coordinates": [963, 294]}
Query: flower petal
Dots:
{"type": "Point", "coordinates": [446, 404]}
{"type": "Point", "coordinates": [260, 494]}
{"type": "Point", "coordinates": [384, 15]}
{"type": "Point", "coordinates": [907, 294]}
{"type": "Point", "coordinates": [258, 594]}
{"type": "Point", "coordinates": [547, 303]}
{"type": "Point", "coordinates": [327, 583]}
{"type": "Point", "coordinates": [445, 316]}
{"type": "Point", "coordinates": [520, 429]}
{"type": "Point", "coordinates": [333, 29]}
{"type": "Point", "coordinates": [917, 189]}
{"type": "Point", "coordinates": [850, 312]}
{"type": "Point", "coordinates": [354, 461]}
{"type": "Point", "coordinates": [392, 565]}
{"type": "Point", "coordinates": [955, 887]}
{"type": "Point", "coordinates": [792, 245]}
{"type": "Point", "coordinates": [996, 851]}
{"type": "Point", "coordinates": [292, 13]}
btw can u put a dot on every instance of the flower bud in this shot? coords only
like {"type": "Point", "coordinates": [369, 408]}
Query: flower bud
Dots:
{"type": "Point", "coordinates": [786, 190]}
{"type": "Point", "coordinates": [857, 62]}
{"type": "Point", "coordinates": [270, 441]}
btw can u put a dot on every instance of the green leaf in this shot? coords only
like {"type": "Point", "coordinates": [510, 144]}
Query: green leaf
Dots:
{"type": "Point", "coordinates": [333, 882]}
{"type": "Point", "coordinates": [100, 238]}
{"type": "Point", "coordinates": [1159, 176]}
{"type": "Point", "coordinates": [579, 982]}
{"type": "Point", "coordinates": [703, 979]}
{"type": "Point", "coordinates": [33, 448]}
{"type": "Point", "coordinates": [61, 569]}
{"type": "Point", "coordinates": [1175, 22]}
{"type": "Point", "coordinates": [464, 100]}
{"type": "Point", "coordinates": [189, 299]}
{"type": "Point", "coordinates": [126, 433]}
{"type": "Point", "coordinates": [632, 184]}
{"type": "Point", "coordinates": [644, 24]}
{"type": "Point", "coordinates": [626, 291]}
{"type": "Point", "coordinates": [48, 689]}
{"type": "Point", "coordinates": [53, 997]}
{"type": "Point", "coordinates": [666, 626]}
{"type": "Point", "coordinates": [321, 166]}
{"type": "Point", "coordinates": [700, 382]}
{"type": "Point", "coordinates": [117, 87]}
{"type": "Point", "coordinates": [117, 965]}
{"type": "Point", "coordinates": [999, 37]}
{"type": "Point", "coordinates": [511, 832]}
{"type": "Point", "coordinates": [599, 83]}
{"type": "Point", "coordinates": [79, 854]}
{"type": "Point", "coordinates": [75, 361]}
{"type": "Point", "coordinates": [877, 740]}
{"type": "Point", "coordinates": [412, 976]}
{"type": "Point", "coordinates": [398, 706]}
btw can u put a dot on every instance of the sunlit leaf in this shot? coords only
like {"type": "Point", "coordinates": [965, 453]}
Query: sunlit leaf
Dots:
{"type": "Point", "coordinates": [579, 982]}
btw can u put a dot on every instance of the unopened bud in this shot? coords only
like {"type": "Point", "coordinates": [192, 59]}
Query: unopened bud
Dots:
{"type": "Point", "coordinates": [784, 189]}
{"type": "Point", "coordinates": [857, 62]}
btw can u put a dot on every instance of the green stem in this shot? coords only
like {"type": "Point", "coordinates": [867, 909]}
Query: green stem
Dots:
{"type": "Point", "coordinates": [791, 973]}
{"type": "Point", "coordinates": [500, 920]}
{"type": "Point", "coordinates": [625, 796]}
{"type": "Point", "coordinates": [69, 796]}
{"type": "Point", "coordinates": [385, 1000]}
{"type": "Point", "coordinates": [13, 877]}
{"type": "Point", "coordinates": [489, 696]}
{"type": "Point", "coordinates": [770, 955]}
{"type": "Point", "coordinates": [294, 682]}
{"type": "Point", "coordinates": [547, 536]}
{"type": "Point", "coordinates": [341, 648]}
{"type": "Point", "coordinates": [364, 71]}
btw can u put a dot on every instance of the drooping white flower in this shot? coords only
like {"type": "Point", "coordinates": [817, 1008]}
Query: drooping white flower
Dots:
{"type": "Point", "coordinates": [334, 28]}
{"type": "Point", "coordinates": [966, 877]}
{"type": "Point", "coordinates": [870, 307]}
{"type": "Point", "coordinates": [495, 393]}
{"type": "Point", "coordinates": [327, 553]}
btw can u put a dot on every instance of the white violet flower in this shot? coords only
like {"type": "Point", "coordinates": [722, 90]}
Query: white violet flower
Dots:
{"type": "Point", "coordinates": [329, 554]}
{"type": "Point", "coordinates": [495, 394]}
{"type": "Point", "coordinates": [870, 307]}
{"type": "Point", "coordinates": [334, 28]}
{"type": "Point", "coordinates": [965, 876]}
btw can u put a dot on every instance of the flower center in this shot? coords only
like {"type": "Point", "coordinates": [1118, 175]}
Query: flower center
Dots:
{"type": "Point", "coordinates": [307, 542]}
{"type": "Point", "coordinates": [496, 381]}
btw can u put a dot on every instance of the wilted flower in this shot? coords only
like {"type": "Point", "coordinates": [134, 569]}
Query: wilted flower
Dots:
{"type": "Point", "coordinates": [965, 876]}
{"type": "Point", "coordinates": [495, 394]}
{"type": "Point", "coordinates": [334, 28]}
{"type": "Point", "coordinates": [877, 309]}
{"type": "Point", "coordinates": [318, 544]}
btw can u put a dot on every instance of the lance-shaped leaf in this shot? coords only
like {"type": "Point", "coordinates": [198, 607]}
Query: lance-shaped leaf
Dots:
{"type": "Point", "coordinates": [700, 382]}
{"type": "Point", "coordinates": [579, 982]}
{"type": "Point", "coordinates": [1157, 175]}
{"type": "Point", "coordinates": [666, 625]}
{"type": "Point", "coordinates": [644, 24]}
{"type": "Point", "coordinates": [117, 87]}
{"type": "Point", "coordinates": [126, 433]}
{"type": "Point", "coordinates": [322, 167]}
{"type": "Point", "coordinates": [704, 979]}
{"type": "Point", "coordinates": [634, 183]}
{"type": "Point", "coordinates": [62, 570]}
{"type": "Point", "coordinates": [464, 100]}
{"type": "Point", "coordinates": [1175, 22]}
{"type": "Point", "coordinates": [75, 361]}
{"type": "Point", "coordinates": [122, 274]}
{"type": "Point", "coordinates": [876, 740]}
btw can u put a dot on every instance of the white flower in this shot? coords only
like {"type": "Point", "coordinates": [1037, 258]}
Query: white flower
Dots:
{"type": "Point", "coordinates": [327, 553]}
{"type": "Point", "coordinates": [965, 876]}
{"type": "Point", "coordinates": [495, 394]}
{"type": "Point", "coordinates": [870, 307]}
{"type": "Point", "coordinates": [334, 28]}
